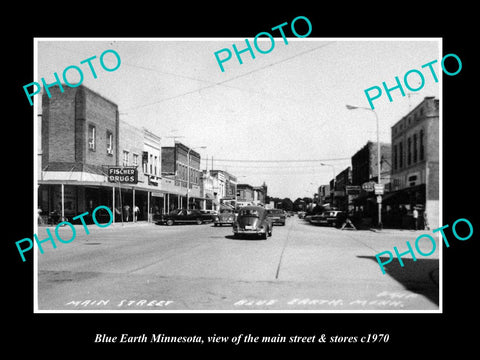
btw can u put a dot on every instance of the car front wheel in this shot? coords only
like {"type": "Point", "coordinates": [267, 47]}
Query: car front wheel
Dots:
{"type": "Point", "coordinates": [199, 222]}
{"type": "Point", "coordinates": [170, 222]}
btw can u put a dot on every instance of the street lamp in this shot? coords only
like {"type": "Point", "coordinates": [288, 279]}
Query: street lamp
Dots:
{"type": "Point", "coordinates": [333, 169]}
{"type": "Point", "coordinates": [188, 172]}
{"type": "Point", "coordinates": [379, 197]}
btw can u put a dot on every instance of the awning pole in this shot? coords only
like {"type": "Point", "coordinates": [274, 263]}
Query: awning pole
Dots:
{"type": "Point", "coordinates": [148, 206]}
{"type": "Point", "coordinates": [63, 201]}
{"type": "Point", "coordinates": [113, 203]}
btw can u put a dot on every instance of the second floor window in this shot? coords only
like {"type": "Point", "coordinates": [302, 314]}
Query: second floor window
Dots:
{"type": "Point", "coordinates": [135, 159]}
{"type": "Point", "coordinates": [91, 137]}
{"type": "Point", "coordinates": [109, 143]}
{"type": "Point", "coordinates": [125, 158]}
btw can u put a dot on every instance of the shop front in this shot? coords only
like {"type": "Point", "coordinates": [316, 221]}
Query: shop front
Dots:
{"type": "Point", "coordinates": [399, 205]}
{"type": "Point", "coordinates": [59, 200]}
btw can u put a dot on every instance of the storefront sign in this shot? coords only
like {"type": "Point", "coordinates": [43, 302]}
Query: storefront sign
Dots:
{"type": "Point", "coordinates": [368, 186]}
{"type": "Point", "coordinates": [379, 189]}
{"type": "Point", "coordinates": [353, 189]}
{"type": "Point", "coordinates": [122, 175]}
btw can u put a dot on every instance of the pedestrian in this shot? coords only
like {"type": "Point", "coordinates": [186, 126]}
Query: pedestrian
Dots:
{"type": "Point", "coordinates": [126, 212]}
{"type": "Point", "coordinates": [136, 211]}
{"type": "Point", "coordinates": [415, 218]}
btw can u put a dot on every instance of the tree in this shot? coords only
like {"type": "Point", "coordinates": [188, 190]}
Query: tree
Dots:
{"type": "Point", "coordinates": [287, 204]}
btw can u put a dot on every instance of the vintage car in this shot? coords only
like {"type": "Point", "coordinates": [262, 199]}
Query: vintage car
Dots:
{"type": "Point", "coordinates": [209, 215]}
{"type": "Point", "coordinates": [252, 220]}
{"type": "Point", "coordinates": [185, 216]}
{"type": "Point", "coordinates": [277, 216]}
{"type": "Point", "coordinates": [331, 218]}
{"type": "Point", "coordinates": [226, 216]}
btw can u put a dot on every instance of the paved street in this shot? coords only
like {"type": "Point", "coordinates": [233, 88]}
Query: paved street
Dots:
{"type": "Point", "coordinates": [202, 267]}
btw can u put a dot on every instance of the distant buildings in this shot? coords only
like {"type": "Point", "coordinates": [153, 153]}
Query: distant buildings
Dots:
{"type": "Point", "coordinates": [409, 172]}
{"type": "Point", "coordinates": [251, 195]}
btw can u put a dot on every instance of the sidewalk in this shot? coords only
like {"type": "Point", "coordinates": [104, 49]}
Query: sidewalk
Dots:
{"type": "Point", "coordinates": [116, 224]}
{"type": "Point", "coordinates": [396, 231]}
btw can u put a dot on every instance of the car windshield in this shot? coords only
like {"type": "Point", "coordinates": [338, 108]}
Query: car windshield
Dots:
{"type": "Point", "coordinates": [226, 211]}
{"type": "Point", "coordinates": [276, 211]}
{"type": "Point", "coordinates": [249, 212]}
{"type": "Point", "coordinates": [175, 212]}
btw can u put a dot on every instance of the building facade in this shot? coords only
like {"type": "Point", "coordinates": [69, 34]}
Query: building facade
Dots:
{"type": "Point", "coordinates": [365, 170]}
{"type": "Point", "coordinates": [181, 177]}
{"type": "Point", "coordinates": [342, 180]}
{"type": "Point", "coordinates": [415, 163]}
{"type": "Point", "coordinates": [84, 148]}
{"type": "Point", "coordinates": [324, 195]}
{"type": "Point", "coordinates": [245, 194]}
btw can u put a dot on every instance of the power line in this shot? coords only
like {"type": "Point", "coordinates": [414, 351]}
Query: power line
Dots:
{"type": "Point", "coordinates": [221, 83]}
{"type": "Point", "coordinates": [281, 161]}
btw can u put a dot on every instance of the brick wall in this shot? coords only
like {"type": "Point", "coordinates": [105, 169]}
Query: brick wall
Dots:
{"type": "Point", "coordinates": [65, 120]}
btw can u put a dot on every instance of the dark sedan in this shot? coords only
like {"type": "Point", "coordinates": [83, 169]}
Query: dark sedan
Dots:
{"type": "Point", "coordinates": [277, 216]}
{"type": "Point", "coordinates": [331, 218]}
{"type": "Point", "coordinates": [252, 220]}
{"type": "Point", "coordinates": [182, 216]}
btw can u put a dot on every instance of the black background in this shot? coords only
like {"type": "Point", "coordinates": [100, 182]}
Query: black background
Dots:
{"type": "Point", "coordinates": [411, 334]}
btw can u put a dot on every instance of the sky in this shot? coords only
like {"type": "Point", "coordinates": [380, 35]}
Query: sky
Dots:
{"type": "Point", "coordinates": [275, 118]}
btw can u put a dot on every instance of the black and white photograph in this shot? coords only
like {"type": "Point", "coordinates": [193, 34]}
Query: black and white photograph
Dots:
{"type": "Point", "coordinates": [227, 180]}
{"type": "Point", "coordinates": [276, 174]}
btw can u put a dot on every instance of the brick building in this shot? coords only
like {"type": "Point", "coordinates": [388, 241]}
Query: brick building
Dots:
{"type": "Point", "coordinates": [342, 180]}
{"type": "Point", "coordinates": [82, 138]}
{"type": "Point", "coordinates": [181, 170]}
{"type": "Point", "coordinates": [364, 170]}
{"type": "Point", "coordinates": [415, 164]}
{"type": "Point", "coordinates": [245, 194]}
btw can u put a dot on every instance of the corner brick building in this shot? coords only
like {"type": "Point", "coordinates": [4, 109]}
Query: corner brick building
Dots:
{"type": "Point", "coordinates": [82, 138]}
{"type": "Point", "coordinates": [415, 165]}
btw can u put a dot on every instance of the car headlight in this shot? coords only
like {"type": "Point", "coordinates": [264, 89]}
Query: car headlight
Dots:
{"type": "Point", "coordinates": [215, 218]}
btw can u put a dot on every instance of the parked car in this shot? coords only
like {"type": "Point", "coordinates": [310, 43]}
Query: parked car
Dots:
{"type": "Point", "coordinates": [185, 216]}
{"type": "Point", "coordinates": [209, 215]}
{"type": "Point", "coordinates": [331, 218]}
{"type": "Point", "coordinates": [226, 216]}
{"type": "Point", "coordinates": [253, 220]}
{"type": "Point", "coordinates": [277, 216]}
